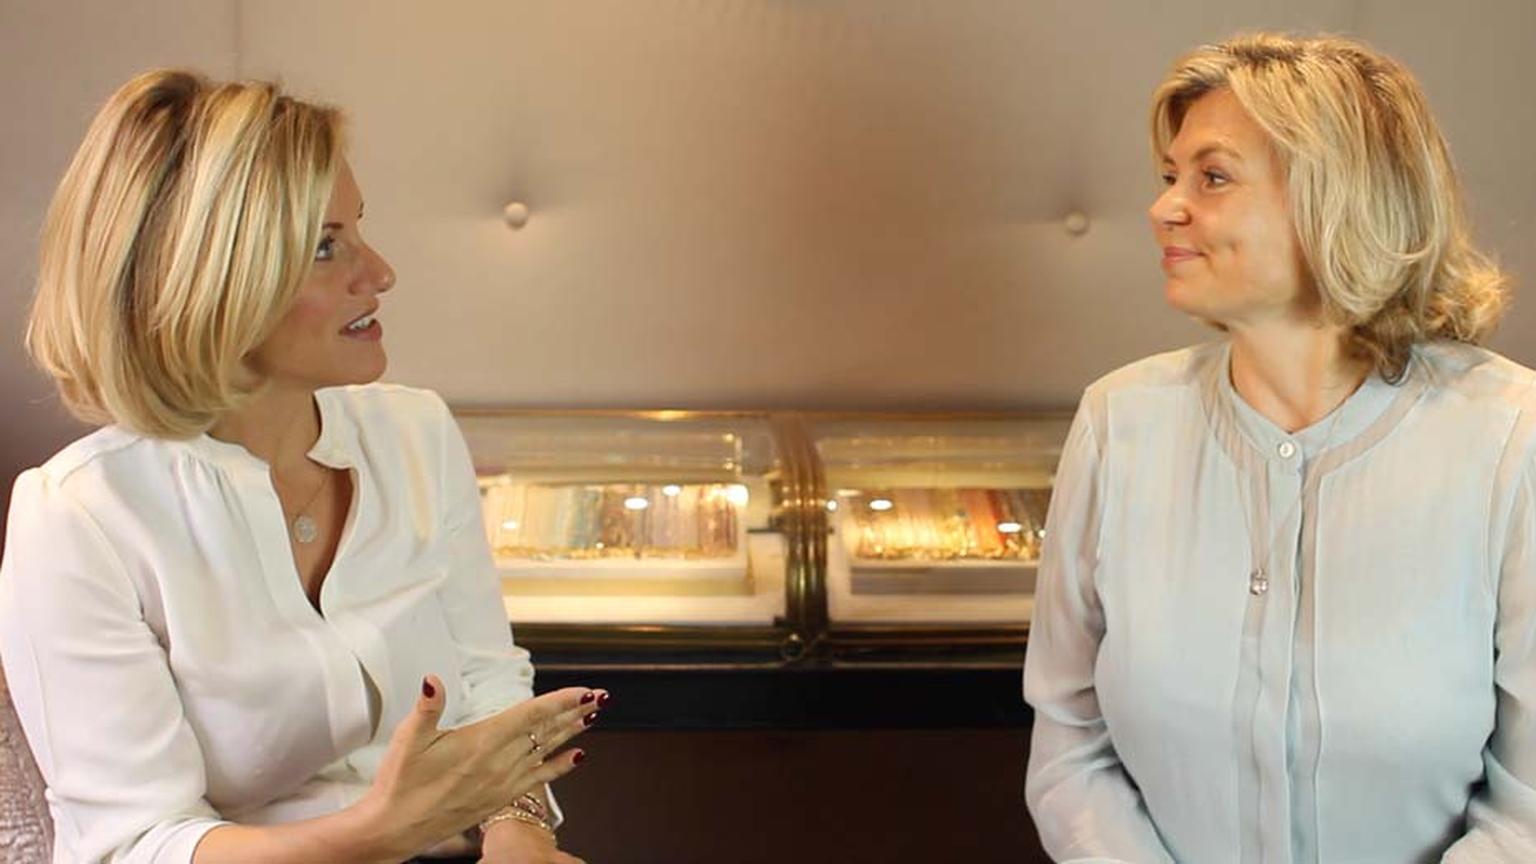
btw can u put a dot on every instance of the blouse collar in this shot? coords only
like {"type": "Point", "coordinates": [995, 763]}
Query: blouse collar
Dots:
{"type": "Point", "coordinates": [1353, 417]}
{"type": "Point", "coordinates": [336, 446]}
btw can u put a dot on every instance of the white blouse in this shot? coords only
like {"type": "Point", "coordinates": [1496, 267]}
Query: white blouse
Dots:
{"type": "Point", "coordinates": [1253, 646]}
{"type": "Point", "coordinates": [170, 672]}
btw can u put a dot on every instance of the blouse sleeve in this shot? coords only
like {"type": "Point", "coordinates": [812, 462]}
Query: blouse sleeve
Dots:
{"type": "Point", "coordinates": [1083, 803]}
{"type": "Point", "coordinates": [1501, 818]}
{"type": "Point", "coordinates": [496, 672]}
{"type": "Point", "coordinates": [94, 691]}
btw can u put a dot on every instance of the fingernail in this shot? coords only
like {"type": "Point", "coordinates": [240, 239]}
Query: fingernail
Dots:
{"type": "Point", "coordinates": [578, 757]}
{"type": "Point", "coordinates": [602, 700]}
{"type": "Point", "coordinates": [427, 689]}
{"type": "Point", "coordinates": [589, 719]}
{"type": "Point", "coordinates": [588, 697]}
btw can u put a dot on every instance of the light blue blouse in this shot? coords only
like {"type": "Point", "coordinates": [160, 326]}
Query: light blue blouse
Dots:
{"type": "Point", "coordinates": [1254, 646]}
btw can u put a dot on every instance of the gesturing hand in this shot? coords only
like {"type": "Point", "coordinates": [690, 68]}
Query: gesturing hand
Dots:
{"type": "Point", "coordinates": [433, 783]}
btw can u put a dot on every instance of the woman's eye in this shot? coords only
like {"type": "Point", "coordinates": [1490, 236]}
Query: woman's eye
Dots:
{"type": "Point", "coordinates": [326, 250]}
{"type": "Point", "coordinates": [1169, 178]}
{"type": "Point", "coordinates": [1216, 178]}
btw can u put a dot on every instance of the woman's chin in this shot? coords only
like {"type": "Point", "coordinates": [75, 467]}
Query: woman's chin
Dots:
{"type": "Point", "coordinates": [1177, 294]}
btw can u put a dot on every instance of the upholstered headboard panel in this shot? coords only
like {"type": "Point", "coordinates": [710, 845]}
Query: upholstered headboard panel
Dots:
{"type": "Point", "coordinates": [809, 203]}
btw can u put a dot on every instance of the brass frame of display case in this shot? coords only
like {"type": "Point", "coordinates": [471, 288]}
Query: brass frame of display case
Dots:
{"type": "Point", "coordinates": [805, 635]}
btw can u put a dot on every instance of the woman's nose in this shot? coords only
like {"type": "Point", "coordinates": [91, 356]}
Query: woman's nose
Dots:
{"type": "Point", "coordinates": [1169, 208]}
{"type": "Point", "coordinates": [380, 277]}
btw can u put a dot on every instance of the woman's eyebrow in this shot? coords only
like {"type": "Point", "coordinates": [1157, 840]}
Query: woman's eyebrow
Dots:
{"type": "Point", "coordinates": [1208, 150]}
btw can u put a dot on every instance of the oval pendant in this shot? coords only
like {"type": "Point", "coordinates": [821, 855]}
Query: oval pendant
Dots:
{"type": "Point", "coordinates": [304, 529]}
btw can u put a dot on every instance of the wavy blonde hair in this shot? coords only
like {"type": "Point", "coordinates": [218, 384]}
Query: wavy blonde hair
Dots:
{"type": "Point", "coordinates": [174, 244]}
{"type": "Point", "coordinates": [1375, 198]}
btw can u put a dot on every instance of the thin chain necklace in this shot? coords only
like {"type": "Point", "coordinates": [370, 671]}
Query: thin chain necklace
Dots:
{"type": "Point", "coordinates": [1258, 577]}
{"type": "Point", "coordinates": [303, 525]}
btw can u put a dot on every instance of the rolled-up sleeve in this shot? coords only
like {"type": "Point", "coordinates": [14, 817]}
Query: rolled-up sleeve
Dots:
{"type": "Point", "coordinates": [1501, 817]}
{"type": "Point", "coordinates": [1082, 802]}
{"type": "Point", "coordinates": [94, 691]}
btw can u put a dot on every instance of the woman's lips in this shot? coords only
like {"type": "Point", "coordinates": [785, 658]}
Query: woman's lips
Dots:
{"type": "Point", "coordinates": [372, 333]}
{"type": "Point", "coordinates": [1178, 254]}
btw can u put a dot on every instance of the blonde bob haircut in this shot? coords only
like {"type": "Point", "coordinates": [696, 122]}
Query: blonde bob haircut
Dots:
{"type": "Point", "coordinates": [1374, 196]}
{"type": "Point", "coordinates": [174, 244]}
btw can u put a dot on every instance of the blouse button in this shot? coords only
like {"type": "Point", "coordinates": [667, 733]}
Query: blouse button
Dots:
{"type": "Point", "coordinates": [1286, 449]}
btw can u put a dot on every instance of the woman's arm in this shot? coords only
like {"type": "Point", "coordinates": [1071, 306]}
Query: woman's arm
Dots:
{"type": "Point", "coordinates": [1082, 802]}
{"type": "Point", "coordinates": [93, 689]}
{"type": "Point", "coordinates": [345, 837]}
{"type": "Point", "coordinates": [127, 779]}
{"type": "Point", "coordinates": [496, 672]}
{"type": "Point", "coordinates": [1501, 818]}
{"type": "Point", "coordinates": [100, 710]}
{"type": "Point", "coordinates": [431, 784]}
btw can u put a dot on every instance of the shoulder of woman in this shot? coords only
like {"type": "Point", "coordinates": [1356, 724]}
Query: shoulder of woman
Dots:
{"type": "Point", "coordinates": [1179, 368]}
{"type": "Point", "coordinates": [1478, 375]}
{"type": "Point", "coordinates": [376, 405]}
{"type": "Point", "coordinates": [85, 467]}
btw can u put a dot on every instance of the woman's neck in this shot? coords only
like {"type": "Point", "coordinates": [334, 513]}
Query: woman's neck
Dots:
{"type": "Point", "coordinates": [278, 426]}
{"type": "Point", "coordinates": [1294, 374]}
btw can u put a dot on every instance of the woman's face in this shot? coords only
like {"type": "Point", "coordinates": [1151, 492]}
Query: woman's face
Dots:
{"type": "Point", "coordinates": [329, 336]}
{"type": "Point", "coordinates": [1224, 221]}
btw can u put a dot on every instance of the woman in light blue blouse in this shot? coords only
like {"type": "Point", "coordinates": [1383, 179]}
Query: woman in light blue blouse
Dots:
{"type": "Point", "coordinates": [1287, 604]}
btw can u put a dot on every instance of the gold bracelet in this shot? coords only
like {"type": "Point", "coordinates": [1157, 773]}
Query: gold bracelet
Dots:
{"type": "Point", "coordinates": [526, 809]}
{"type": "Point", "coordinates": [531, 803]}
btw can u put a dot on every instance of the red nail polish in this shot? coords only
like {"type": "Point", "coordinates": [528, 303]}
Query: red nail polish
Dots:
{"type": "Point", "coordinates": [589, 719]}
{"type": "Point", "coordinates": [602, 700]}
{"type": "Point", "coordinates": [578, 757]}
{"type": "Point", "coordinates": [427, 689]}
{"type": "Point", "coordinates": [588, 697]}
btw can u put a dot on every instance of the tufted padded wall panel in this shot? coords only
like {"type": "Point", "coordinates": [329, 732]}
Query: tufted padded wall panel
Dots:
{"type": "Point", "coordinates": [850, 203]}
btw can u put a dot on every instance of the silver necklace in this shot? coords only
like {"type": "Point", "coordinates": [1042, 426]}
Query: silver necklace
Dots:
{"type": "Point", "coordinates": [1258, 577]}
{"type": "Point", "coordinates": [304, 528]}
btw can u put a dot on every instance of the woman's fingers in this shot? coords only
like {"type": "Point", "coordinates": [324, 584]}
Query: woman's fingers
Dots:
{"type": "Point", "coordinates": [419, 728]}
{"type": "Point", "coordinates": [554, 734]}
{"type": "Point", "coordinates": [535, 713]}
{"type": "Point", "coordinates": [549, 720]}
{"type": "Point", "coordinates": [547, 771]}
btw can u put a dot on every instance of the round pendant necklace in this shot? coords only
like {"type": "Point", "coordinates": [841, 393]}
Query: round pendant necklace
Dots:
{"type": "Point", "coordinates": [304, 528]}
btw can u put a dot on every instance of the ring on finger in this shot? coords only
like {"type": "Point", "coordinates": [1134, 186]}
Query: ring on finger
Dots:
{"type": "Point", "coordinates": [535, 742]}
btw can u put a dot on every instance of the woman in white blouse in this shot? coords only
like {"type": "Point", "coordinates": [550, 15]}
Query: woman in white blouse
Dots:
{"type": "Point", "coordinates": [1287, 609]}
{"type": "Point", "coordinates": [254, 618]}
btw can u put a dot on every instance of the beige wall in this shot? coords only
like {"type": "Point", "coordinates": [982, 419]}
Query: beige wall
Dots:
{"type": "Point", "coordinates": [848, 203]}
{"type": "Point", "coordinates": [58, 60]}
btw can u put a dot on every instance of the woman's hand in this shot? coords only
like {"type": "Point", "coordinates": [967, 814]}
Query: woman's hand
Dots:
{"type": "Point", "coordinates": [513, 842]}
{"type": "Point", "coordinates": [434, 783]}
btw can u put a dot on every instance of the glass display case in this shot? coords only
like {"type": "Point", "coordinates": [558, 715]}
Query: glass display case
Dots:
{"type": "Point", "coordinates": [788, 536]}
{"type": "Point", "coordinates": [639, 528]}
{"type": "Point", "coordinates": [935, 521]}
